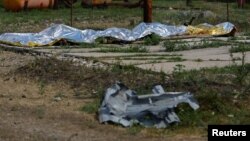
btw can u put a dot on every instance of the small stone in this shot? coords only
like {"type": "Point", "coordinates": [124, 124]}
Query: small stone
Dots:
{"type": "Point", "coordinates": [77, 19]}
{"type": "Point", "coordinates": [57, 99]}
{"type": "Point", "coordinates": [6, 79]}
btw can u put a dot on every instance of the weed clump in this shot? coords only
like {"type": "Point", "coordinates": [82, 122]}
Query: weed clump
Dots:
{"type": "Point", "coordinates": [240, 48]}
{"type": "Point", "coordinates": [131, 49]}
{"type": "Point", "coordinates": [152, 40]}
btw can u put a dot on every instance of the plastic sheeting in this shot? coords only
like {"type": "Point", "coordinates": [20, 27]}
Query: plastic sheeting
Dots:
{"type": "Point", "coordinates": [56, 32]}
{"type": "Point", "coordinates": [121, 105]}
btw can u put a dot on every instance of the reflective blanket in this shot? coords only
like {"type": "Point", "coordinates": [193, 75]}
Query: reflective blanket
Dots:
{"type": "Point", "coordinates": [58, 32]}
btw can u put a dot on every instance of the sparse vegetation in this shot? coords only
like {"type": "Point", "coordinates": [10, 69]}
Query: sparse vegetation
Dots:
{"type": "Point", "coordinates": [240, 48]}
{"type": "Point", "coordinates": [177, 45]}
{"type": "Point", "coordinates": [134, 130]}
{"type": "Point", "coordinates": [175, 59]}
{"type": "Point", "coordinates": [167, 58]}
{"type": "Point", "coordinates": [91, 108]}
{"type": "Point", "coordinates": [41, 87]}
{"type": "Point", "coordinates": [52, 70]}
{"type": "Point", "coordinates": [152, 40]}
{"type": "Point", "coordinates": [243, 71]}
{"type": "Point", "coordinates": [131, 49]}
{"type": "Point", "coordinates": [40, 111]}
{"type": "Point", "coordinates": [215, 89]}
{"type": "Point", "coordinates": [88, 45]}
{"type": "Point", "coordinates": [198, 60]}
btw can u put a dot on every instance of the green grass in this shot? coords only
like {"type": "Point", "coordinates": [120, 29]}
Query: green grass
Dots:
{"type": "Point", "coordinates": [151, 55]}
{"type": "Point", "coordinates": [215, 89]}
{"type": "Point", "coordinates": [179, 45]}
{"type": "Point", "coordinates": [240, 48]}
{"type": "Point", "coordinates": [152, 40]}
{"type": "Point", "coordinates": [153, 58]}
{"type": "Point", "coordinates": [247, 34]}
{"type": "Point", "coordinates": [175, 45]}
{"type": "Point", "coordinates": [91, 107]}
{"type": "Point", "coordinates": [175, 59]}
{"type": "Point", "coordinates": [41, 87]}
{"type": "Point", "coordinates": [40, 111]}
{"type": "Point", "coordinates": [131, 49]}
{"type": "Point", "coordinates": [88, 45]}
{"type": "Point", "coordinates": [134, 130]}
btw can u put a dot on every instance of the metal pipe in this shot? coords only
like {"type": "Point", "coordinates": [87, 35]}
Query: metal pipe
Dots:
{"type": "Point", "coordinates": [147, 11]}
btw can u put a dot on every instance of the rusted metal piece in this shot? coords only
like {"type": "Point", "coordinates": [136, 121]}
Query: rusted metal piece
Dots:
{"type": "Point", "coordinates": [93, 3]}
{"type": "Point", "coordinates": [128, 4]}
{"type": "Point", "coordinates": [147, 13]}
{"type": "Point", "coordinates": [106, 3]}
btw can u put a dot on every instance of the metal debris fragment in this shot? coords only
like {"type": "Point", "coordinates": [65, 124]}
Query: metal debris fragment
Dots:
{"type": "Point", "coordinates": [121, 105]}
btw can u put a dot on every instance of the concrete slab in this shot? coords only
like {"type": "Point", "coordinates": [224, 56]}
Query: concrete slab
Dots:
{"type": "Point", "coordinates": [157, 59]}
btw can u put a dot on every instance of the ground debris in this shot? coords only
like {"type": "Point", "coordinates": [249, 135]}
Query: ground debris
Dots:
{"type": "Point", "coordinates": [121, 105]}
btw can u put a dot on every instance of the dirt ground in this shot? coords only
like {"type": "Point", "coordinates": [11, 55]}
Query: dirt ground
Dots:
{"type": "Point", "coordinates": [27, 114]}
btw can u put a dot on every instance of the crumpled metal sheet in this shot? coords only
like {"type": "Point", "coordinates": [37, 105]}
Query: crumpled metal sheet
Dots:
{"type": "Point", "coordinates": [57, 32]}
{"type": "Point", "coordinates": [121, 105]}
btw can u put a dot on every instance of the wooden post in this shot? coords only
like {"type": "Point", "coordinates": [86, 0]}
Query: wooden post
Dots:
{"type": "Point", "coordinates": [55, 6]}
{"type": "Point", "coordinates": [147, 11]}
